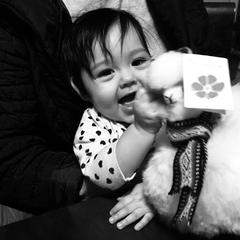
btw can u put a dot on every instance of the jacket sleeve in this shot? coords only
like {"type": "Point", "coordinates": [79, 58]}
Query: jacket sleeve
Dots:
{"type": "Point", "coordinates": [33, 177]}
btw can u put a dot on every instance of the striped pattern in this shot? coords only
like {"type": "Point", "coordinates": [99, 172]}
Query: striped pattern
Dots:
{"type": "Point", "coordinates": [190, 137]}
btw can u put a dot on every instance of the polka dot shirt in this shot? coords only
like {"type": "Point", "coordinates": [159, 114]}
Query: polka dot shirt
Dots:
{"type": "Point", "coordinates": [94, 145]}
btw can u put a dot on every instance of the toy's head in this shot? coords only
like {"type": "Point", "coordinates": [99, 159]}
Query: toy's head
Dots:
{"type": "Point", "coordinates": [163, 81]}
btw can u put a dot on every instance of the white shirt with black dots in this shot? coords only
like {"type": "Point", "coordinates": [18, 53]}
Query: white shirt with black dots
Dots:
{"type": "Point", "coordinates": [94, 145]}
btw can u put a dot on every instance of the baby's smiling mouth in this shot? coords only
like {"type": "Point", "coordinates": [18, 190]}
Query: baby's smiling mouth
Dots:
{"type": "Point", "coordinates": [127, 99]}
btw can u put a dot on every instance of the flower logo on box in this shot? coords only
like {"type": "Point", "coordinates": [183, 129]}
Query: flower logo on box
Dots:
{"type": "Point", "coordinates": [207, 87]}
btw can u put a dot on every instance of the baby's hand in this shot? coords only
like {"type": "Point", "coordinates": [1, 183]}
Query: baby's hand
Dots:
{"type": "Point", "coordinates": [162, 93]}
{"type": "Point", "coordinates": [146, 112]}
{"type": "Point", "coordinates": [131, 208]}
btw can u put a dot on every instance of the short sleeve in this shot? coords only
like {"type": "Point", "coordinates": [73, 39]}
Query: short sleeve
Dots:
{"type": "Point", "coordinates": [94, 145]}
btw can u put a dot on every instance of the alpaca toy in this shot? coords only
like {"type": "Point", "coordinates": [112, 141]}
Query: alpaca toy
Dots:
{"type": "Point", "coordinates": [195, 187]}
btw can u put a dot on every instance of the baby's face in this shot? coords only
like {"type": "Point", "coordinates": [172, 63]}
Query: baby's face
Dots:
{"type": "Point", "coordinates": [113, 86]}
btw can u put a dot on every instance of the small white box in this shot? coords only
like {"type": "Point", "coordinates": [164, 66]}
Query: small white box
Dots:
{"type": "Point", "coordinates": [206, 82]}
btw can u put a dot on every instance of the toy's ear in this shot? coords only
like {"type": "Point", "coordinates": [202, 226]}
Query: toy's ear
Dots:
{"type": "Point", "coordinates": [83, 95]}
{"type": "Point", "coordinates": [185, 50]}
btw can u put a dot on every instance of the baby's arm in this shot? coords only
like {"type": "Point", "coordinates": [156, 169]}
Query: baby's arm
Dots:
{"type": "Point", "coordinates": [137, 140]}
{"type": "Point", "coordinates": [108, 158]}
{"type": "Point", "coordinates": [95, 146]}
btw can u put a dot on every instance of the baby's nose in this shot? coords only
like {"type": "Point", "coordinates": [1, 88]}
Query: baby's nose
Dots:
{"type": "Point", "coordinates": [128, 80]}
{"type": "Point", "coordinates": [127, 84]}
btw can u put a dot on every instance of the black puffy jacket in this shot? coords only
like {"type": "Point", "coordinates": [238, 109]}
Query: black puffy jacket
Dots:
{"type": "Point", "coordinates": [39, 111]}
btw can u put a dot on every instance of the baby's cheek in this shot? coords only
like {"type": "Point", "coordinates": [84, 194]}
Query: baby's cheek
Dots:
{"type": "Point", "coordinates": [141, 75]}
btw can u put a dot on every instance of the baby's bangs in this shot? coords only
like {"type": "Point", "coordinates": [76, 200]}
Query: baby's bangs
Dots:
{"type": "Point", "coordinates": [124, 25]}
{"type": "Point", "coordinates": [128, 22]}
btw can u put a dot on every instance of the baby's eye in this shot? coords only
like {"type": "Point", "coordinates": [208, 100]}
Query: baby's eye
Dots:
{"type": "Point", "coordinates": [105, 73]}
{"type": "Point", "coordinates": [139, 61]}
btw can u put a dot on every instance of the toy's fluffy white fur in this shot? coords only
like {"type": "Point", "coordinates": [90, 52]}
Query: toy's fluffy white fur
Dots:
{"type": "Point", "coordinates": [218, 208]}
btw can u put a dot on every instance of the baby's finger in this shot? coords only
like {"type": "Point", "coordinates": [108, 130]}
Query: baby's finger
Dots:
{"type": "Point", "coordinates": [123, 212]}
{"type": "Point", "coordinates": [134, 216]}
{"type": "Point", "coordinates": [123, 201]}
{"type": "Point", "coordinates": [144, 221]}
{"type": "Point", "coordinates": [116, 208]}
{"type": "Point", "coordinates": [142, 98]}
{"type": "Point", "coordinates": [141, 93]}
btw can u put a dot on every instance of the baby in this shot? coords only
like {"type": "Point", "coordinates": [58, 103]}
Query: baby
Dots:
{"type": "Point", "coordinates": [102, 51]}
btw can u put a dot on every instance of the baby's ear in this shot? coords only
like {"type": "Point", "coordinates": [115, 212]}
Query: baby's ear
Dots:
{"type": "Point", "coordinates": [76, 89]}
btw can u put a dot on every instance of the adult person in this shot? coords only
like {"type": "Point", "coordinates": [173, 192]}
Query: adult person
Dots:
{"type": "Point", "coordinates": [39, 110]}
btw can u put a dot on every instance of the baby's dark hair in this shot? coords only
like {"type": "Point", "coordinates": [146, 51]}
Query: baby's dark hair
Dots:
{"type": "Point", "coordinates": [86, 30]}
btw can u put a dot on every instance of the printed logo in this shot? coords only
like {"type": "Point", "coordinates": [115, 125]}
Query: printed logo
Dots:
{"type": "Point", "coordinates": [207, 87]}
